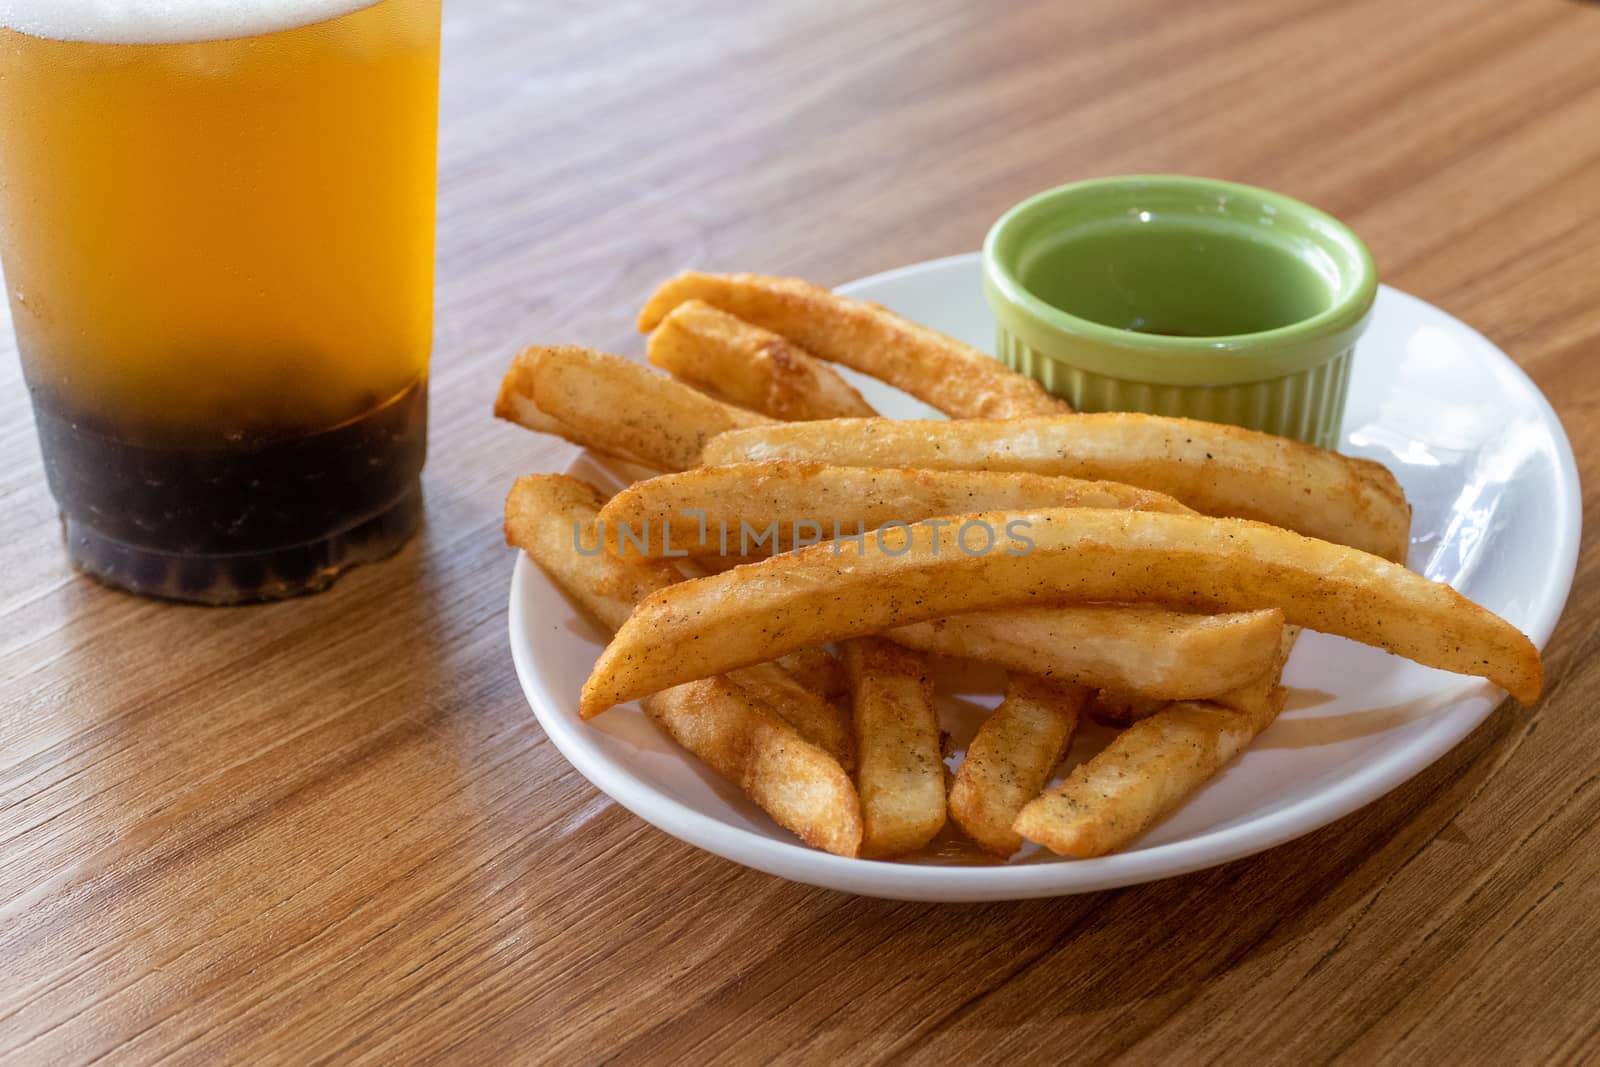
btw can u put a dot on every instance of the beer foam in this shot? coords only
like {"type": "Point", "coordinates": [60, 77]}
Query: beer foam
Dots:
{"type": "Point", "coordinates": [166, 21]}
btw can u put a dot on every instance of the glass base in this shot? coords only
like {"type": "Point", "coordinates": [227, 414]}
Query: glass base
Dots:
{"type": "Point", "coordinates": [294, 570]}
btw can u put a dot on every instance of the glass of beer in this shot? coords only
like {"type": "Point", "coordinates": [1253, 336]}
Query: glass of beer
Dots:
{"type": "Point", "coordinates": [217, 229]}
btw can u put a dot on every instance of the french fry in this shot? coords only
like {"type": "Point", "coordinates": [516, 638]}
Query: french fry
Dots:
{"type": "Point", "coordinates": [1149, 654]}
{"type": "Point", "coordinates": [732, 729]}
{"type": "Point", "coordinates": [818, 670]}
{"type": "Point", "coordinates": [838, 590]}
{"type": "Point", "coordinates": [718, 564]}
{"type": "Point", "coordinates": [1148, 770]}
{"type": "Point", "coordinates": [615, 406]}
{"type": "Point", "coordinates": [816, 718]}
{"type": "Point", "coordinates": [901, 775]}
{"type": "Point", "coordinates": [954, 378]}
{"type": "Point", "coordinates": [610, 594]}
{"type": "Point", "coordinates": [815, 668]}
{"type": "Point", "coordinates": [737, 735]}
{"type": "Point", "coordinates": [748, 366]}
{"type": "Point", "coordinates": [1010, 759]}
{"type": "Point", "coordinates": [1120, 708]}
{"type": "Point", "coordinates": [514, 400]}
{"type": "Point", "coordinates": [712, 511]}
{"type": "Point", "coordinates": [1262, 698]}
{"type": "Point", "coordinates": [1215, 469]}
{"type": "Point", "coordinates": [546, 515]}
{"type": "Point", "coordinates": [1133, 648]}
{"type": "Point", "coordinates": [1123, 705]}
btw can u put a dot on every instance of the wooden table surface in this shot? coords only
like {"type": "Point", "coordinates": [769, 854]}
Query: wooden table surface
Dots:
{"type": "Point", "coordinates": [330, 829]}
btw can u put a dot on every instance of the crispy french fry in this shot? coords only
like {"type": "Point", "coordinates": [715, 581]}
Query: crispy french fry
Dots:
{"type": "Point", "coordinates": [816, 718]}
{"type": "Point", "coordinates": [1134, 648]}
{"type": "Point", "coordinates": [542, 511]}
{"type": "Point", "coordinates": [837, 590]}
{"type": "Point", "coordinates": [1151, 654]}
{"type": "Point", "coordinates": [1010, 759]}
{"type": "Point", "coordinates": [611, 593]}
{"type": "Point", "coordinates": [717, 564]}
{"type": "Point", "coordinates": [1215, 469]}
{"type": "Point", "coordinates": [717, 510]}
{"type": "Point", "coordinates": [737, 735]}
{"type": "Point", "coordinates": [1123, 705]}
{"type": "Point", "coordinates": [955, 378]}
{"type": "Point", "coordinates": [1120, 708]}
{"type": "Point", "coordinates": [731, 728]}
{"type": "Point", "coordinates": [615, 406]}
{"type": "Point", "coordinates": [1147, 771]}
{"type": "Point", "coordinates": [901, 775]}
{"type": "Point", "coordinates": [1262, 698]}
{"type": "Point", "coordinates": [1164, 655]}
{"type": "Point", "coordinates": [818, 670]}
{"type": "Point", "coordinates": [514, 401]}
{"type": "Point", "coordinates": [748, 366]}
{"type": "Point", "coordinates": [548, 516]}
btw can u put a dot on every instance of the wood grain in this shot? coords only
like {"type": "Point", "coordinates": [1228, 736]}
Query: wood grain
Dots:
{"type": "Point", "coordinates": [330, 829]}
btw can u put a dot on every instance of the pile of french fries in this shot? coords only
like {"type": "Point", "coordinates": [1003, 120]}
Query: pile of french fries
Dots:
{"type": "Point", "coordinates": [1151, 574]}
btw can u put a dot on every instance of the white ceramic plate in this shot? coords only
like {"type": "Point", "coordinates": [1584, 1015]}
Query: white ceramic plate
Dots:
{"type": "Point", "coordinates": [1497, 513]}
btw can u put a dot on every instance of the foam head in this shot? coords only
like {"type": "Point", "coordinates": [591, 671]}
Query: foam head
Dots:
{"type": "Point", "coordinates": [166, 21]}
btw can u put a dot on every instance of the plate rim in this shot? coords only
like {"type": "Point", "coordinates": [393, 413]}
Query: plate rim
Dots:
{"type": "Point", "coordinates": [903, 881]}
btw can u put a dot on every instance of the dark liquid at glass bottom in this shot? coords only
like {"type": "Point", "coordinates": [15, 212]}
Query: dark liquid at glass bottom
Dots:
{"type": "Point", "coordinates": [271, 515]}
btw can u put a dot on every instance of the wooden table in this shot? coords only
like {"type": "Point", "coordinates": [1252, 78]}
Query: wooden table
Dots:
{"type": "Point", "coordinates": [331, 829]}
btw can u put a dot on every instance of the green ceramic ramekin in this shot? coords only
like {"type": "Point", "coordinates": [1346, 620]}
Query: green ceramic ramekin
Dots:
{"type": "Point", "coordinates": [1182, 296]}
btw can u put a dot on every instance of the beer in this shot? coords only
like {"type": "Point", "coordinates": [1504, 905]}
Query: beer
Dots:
{"type": "Point", "coordinates": [216, 221]}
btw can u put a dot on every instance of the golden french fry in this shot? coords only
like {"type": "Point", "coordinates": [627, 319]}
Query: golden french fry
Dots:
{"type": "Point", "coordinates": [746, 365]}
{"type": "Point", "coordinates": [817, 670]}
{"type": "Point", "coordinates": [838, 589]}
{"type": "Point", "coordinates": [718, 564]}
{"type": "Point", "coordinates": [717, 511]}
{"type": "Point", "coordinates": [802, 686]}
{"type": "Point", "coordinates": [1151, 654]}
{"type": "Point", "coordinates": [955, 378]}
{"type": "Point", "coordinates": [731, 728]}
{"type": "Point", "coordinates": [1120, 708]}
{"type": "Point", "coordinates": [1216, 469]}
{"type": "Point", "coordinates": [543, 510]}
{"type": "Point", "coordinates": [737, 735]}
{"type": "Point", "coordinates": [816, 718]}
{"type": "Point", "coordinates": [1133, 648]}
{"type": "Point", "coordinates": [1010, 759]}
{"type": "Point", "coordinates": [613, 405]}
{"type": "Point", "coordinates": [1148, 770]}
{"type": "Point", "coordinates": [548, 516]}
{"type": "Point", "coordinates": [514, 401]}
{"type": "Point", "coordinates": [900, 777]}
{"type": "Point", "coordinates": [1121, 705]}
{"type": "Point", "coordinates": [1262, 698]}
